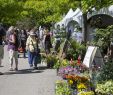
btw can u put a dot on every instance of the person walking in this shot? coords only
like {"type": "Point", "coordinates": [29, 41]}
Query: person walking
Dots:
{"type": "Point", "coordinates": [2, 38]}
{"type": "Point", "coordinates": [13, 48]}
{"type": "Point", "coordinates": [57, 37]}
{"type": "Point", "coordinates": [47, 41]}
{"type": "Point", "coordinates": [22, 40]}
{"type": "Point", "coordinates": [32, 48]}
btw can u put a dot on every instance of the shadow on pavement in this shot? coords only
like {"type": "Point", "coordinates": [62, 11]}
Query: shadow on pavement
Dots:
{"type": "Point", "coordinates": [23, 71]}
{"type": "Point", "coordinates": [1, 66]}
{"type": "Point", "coordinates": [1, 73]}
{"type": "Point", "coordinates": [42, 67]}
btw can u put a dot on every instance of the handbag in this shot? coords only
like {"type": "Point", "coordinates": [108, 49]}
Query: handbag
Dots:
{"type": "Point", "coordinates": [20, 49]}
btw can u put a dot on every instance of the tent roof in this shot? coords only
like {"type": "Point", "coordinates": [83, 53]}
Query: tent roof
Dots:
{"type": "Point", "coordinates": [77, 11]}
{"type": "Point", "coordinates": [68, 15]}
{"type": "Point", "coordinates": [75, 17]}
{"type": "Point", "coordinates": [71, 15]}
{"type": "Point", "coordinates": [111, 8]}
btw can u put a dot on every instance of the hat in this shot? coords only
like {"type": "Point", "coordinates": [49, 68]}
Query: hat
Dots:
{"type": "Point", "coordinates": [32, 34]}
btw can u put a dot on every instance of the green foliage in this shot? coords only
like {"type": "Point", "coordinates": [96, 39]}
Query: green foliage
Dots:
{"type": "Point", "coordinates": [76, 49]}
{"type": "Point", "coordinates": [86, 93]}
{"type": "Point", "coordinates": [103, 37]}
{"type": "Point", "coordinates": [51, 60]}
{"type": "Point", "coordinates": [105, 88]}
{"type": "Point", "coordinates": [88, 4]}
{"type": "Point", "coordinates": [10, 10]}
{"type": "Point", "coordinates": [43, 11]}
{"type": "Point", "coordinates": [79, 47]}
{"type": "Point", "coordinates": [62, 88]}
{"type": "Point", "coordinates": [106, 73]}
{"type": "Point", "coordinates": [62, 63]}
{"type": "Point", "coordinates": [57, 64]}
{"type": "Point", "coordinates": [39, 11]}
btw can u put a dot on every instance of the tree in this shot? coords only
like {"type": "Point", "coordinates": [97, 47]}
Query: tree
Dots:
{"type": "Point", "coordinates": [39, 11]}
{"type": "Point", "coordinates": [42, 11]}
{"type": "Point", "coordinates": [46, 11]}
{"type": "Point", "coordinates": [9, 11]}
{"type": "Point", "coordinates": [103, 38]}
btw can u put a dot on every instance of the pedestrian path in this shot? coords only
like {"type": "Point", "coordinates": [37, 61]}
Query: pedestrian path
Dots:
{"type": "Point", "coordinates": [26, 81]}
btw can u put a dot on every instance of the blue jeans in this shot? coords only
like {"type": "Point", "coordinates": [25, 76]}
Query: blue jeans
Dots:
{"type": "Point", "coordinates": [32, 58]}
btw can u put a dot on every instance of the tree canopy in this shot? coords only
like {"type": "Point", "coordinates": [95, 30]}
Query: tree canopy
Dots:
{"type": "Point", "coordinates": [36, 12]}
{"type": "Point", "coordinates": [88, 4]}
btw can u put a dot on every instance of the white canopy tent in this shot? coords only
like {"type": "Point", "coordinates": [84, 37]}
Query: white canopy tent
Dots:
{"type": "Point", "coordinates": [77, 16]}
{"type": "Point", "coordinates": [110, 8]}
{"type": "Point", "coordinates": [63, 21]}
{"type": "Point", "coordinates": [71, 15]}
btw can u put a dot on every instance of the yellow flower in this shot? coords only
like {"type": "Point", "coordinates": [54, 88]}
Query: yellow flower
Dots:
{"type": "Point", "coordinates": [64, 62]}
{"type": "Point", "coordinates": [86, 93]}
{"type": "Point", "coordinates": [81, 86]}
{"type": "Point", "coordinates": [70, 82]}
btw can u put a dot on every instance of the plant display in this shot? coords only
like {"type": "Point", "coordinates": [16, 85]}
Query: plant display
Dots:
{"type": "Point", "coordinates": [86, 93]}
{"type": "Point", "coordinates": [79, 79]}
{"type": "Point", "coordinates": [64, 71]}
{"type": "Point", "coordinates": [77, 82]}
{"type": "Point", "coordinates": [81, 86]}
{"type": "Point", "coordinates": [106, 72]}
{"type": "Point", "coordinates": [57, 64]}
{"type": "Point", "coordinates": [103, 38]}
{"type": "Point", "coordinates": [105, 88]}
{"type": "Point", "coordinates": [62, 88]}
{"type": "Point", "coordinates": [65, 63]}
{"type": "Point", "coordinates": [61, 63]}
{"type": "Point", "coordinates": [75, 50]}
{"type": "Point", "coordinates": [51, 60]}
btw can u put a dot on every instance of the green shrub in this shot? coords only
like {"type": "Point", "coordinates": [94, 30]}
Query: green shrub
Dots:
{"type": "Point", "coordinates": [62, 88]}
{"type": "Point", "coordinates": [51, 60]}
{"type": "Point", "coordinates": [105, 88]}
{"type": "Point", "coordinates": [106, 73]}
{"type": "Point", "coordinates": [75, 50]}
{"type": "Point", "coordinates": [86, 93]}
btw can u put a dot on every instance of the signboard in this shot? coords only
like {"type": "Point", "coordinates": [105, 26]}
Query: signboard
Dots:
{"type": "Point", "coordinates": [93, 57]}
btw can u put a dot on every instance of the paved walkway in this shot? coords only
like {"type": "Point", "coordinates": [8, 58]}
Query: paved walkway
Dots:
{"type": "Point", "coordinates": [25, 81]}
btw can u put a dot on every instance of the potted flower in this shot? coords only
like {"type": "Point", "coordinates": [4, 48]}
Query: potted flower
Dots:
{"type": "Point", "coordinates": [62, 88]}
{"type": "Point", "coordinates": [86, 93]}
{"type": "Point", "coordinates": [51, 60]}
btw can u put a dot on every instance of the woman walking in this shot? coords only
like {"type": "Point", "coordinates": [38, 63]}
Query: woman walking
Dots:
{"type": "Point", "coordinates": [2, 39]}
{"type": "Point", "coordinates": [47, 41]}
{"type": "Point", "coordinates": [32, 48]}
{"type": "Point", "coordinates": [23, 38]}
{"type": "Point", "coordinates": [13, 48]}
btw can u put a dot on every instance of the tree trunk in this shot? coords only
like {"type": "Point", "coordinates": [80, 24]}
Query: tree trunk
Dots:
{"type": "Point", "coordinates": [84, 29]}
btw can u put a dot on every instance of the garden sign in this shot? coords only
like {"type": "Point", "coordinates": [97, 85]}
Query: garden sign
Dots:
{"type": "Point", "coordinates": [93, 57]}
